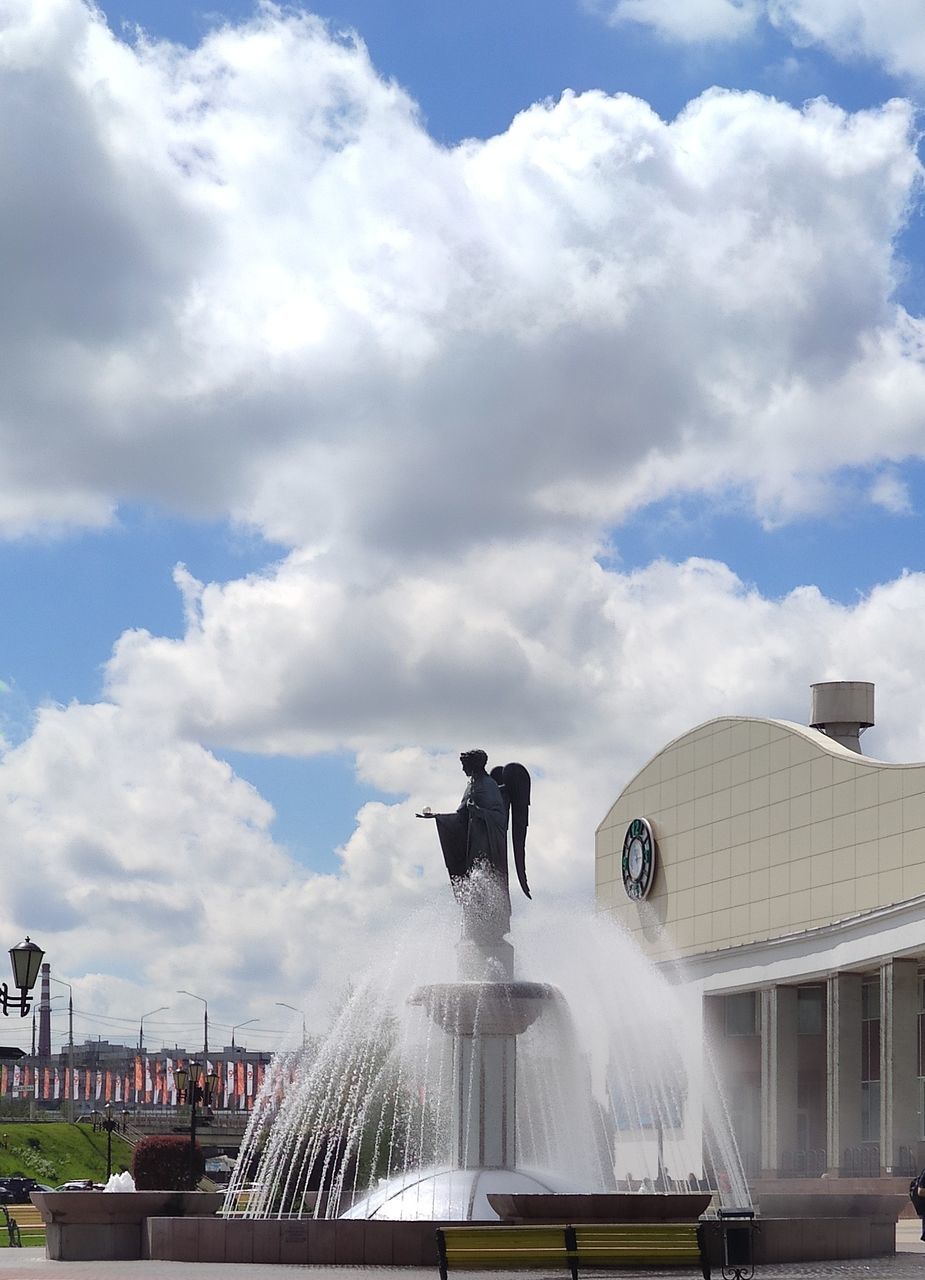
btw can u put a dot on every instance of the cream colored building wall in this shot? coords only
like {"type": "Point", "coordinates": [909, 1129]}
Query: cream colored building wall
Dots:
{"type": "Point", "coordinates": [763, 828]}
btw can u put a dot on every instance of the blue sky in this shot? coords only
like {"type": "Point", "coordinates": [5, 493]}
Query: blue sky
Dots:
{"type": "Point", "coordinates": [440, 411]}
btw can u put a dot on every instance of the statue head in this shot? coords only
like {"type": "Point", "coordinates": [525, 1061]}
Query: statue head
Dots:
{"type": "Point", "coordinates": [473, 762]}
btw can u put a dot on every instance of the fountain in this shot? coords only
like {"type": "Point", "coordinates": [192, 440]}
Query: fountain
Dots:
{"type": "Point", "coordinates": [440, 1096]}
{"type": "Point", "coordinates": [571, 1087]}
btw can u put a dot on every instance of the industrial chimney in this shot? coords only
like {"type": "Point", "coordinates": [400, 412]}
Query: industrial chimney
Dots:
{"type": "Point", "coordinates": [842, 710]}
{"type": "Point", "coordinates": [45, 1014]}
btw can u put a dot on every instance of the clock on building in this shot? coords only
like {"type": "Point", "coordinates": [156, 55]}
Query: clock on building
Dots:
{"type": "Point", "coordinates": [638, 859]}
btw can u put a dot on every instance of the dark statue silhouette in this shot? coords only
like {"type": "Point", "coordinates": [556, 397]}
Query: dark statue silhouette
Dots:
{"type": "Point", "coordinates": [474, 843]}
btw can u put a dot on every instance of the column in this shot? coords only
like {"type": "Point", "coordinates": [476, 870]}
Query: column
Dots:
{"type": "Point", "coordinates": [899, 1005]}
{"type": "Point", "coordinates": [778, 1077]}
{"type": "Point", "coordinates": [485, 1104]}
{"type": "Point", "coordinates": [843, 1065]}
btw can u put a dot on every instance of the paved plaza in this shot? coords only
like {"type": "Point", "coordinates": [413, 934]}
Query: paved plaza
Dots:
{"type": "Point", "coordinates": [31, 1264]}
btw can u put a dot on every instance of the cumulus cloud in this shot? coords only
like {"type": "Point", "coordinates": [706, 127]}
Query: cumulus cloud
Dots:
{"type": "Point", "coordinates": [274, 295]}
{"type": "Point", "coordinates": [691, 21]}
{"type": "Point", "coordinates": [889, 32]}
{"type": "Point", "coordinates": [242, 280]}
{"type": "Point", "coordinates": [125, 822]}
{"type": "Point", "coordinates": [886, 31]}
{"type": "Point", "coordinates": [891, 492]}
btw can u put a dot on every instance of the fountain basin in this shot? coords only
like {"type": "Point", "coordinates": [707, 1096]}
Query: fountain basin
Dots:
{"type": "Point", "coordinates": [454, 1195]}
{"type": "Point", "coordinates": [606, 1207]}
{"type": "Point", "coordinates": [83, 1226]}
{"type": "Point", "coordinates": [485, 1008]}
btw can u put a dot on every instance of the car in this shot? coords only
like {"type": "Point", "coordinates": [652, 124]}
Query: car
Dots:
{"type": "Point", "coordinates": [80, 1184]}
{"type": "Point", "coordinates": [16, 1189]}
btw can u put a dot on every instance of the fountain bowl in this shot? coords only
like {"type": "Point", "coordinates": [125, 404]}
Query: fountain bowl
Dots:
{"type": "Point", "coordinates": [485, 1008]}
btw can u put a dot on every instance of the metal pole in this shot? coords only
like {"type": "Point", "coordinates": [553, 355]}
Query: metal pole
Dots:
{"type": "Point", "coordinates": [69, 1111]}
{"type": "Point", "coordinates": [109, 1124]}
{"type": "Point", "coordinates": [205, 1018]}
{"type": "Point", "coordinates": [194, 1093]}
{"type": "Point", "coordinates": [35, 1073]}
{"type": "Point", "coordinates": [141, 1025]}
{"type": "Point", "coordinates": [282, 1004]}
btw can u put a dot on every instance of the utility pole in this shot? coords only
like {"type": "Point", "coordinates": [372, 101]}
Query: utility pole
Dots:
{"type": "Point", "coordinates": [69, 1100]}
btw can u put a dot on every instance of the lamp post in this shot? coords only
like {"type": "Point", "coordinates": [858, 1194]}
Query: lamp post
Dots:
{"type": "Point", "coordinates": [108, 1122]}
{"type": "Point", "coordinates": [241, 1024]}
{"type": "Point", "coordinates": [187, 1081]}
{"type": "Point", "coordinates": [282, 1004]}
{"type": "Point", "coordinates": [141, 1025]}
{"type": "Point", "coordinates": [69, 1100]}
{"type": "Point", "coordinates": [205, 1018]}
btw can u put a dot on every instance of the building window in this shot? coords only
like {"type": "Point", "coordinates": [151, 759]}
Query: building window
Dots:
{"type": "Point", "coordinates": [741, 1014]}
{"type": "Point", "coordinates": [870, 1060]}
{"type": "Point", "coordinates": [811, 1011]}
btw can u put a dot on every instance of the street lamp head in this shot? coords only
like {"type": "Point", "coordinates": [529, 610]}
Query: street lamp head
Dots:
{"type": "Point", "coordinates": [181, 1076]}
{"type": "Point", "coordinates": [26, 959]}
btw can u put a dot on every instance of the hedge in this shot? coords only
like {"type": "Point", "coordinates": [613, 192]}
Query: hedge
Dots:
{"type": "Point", "coordinates": [162, 1163]}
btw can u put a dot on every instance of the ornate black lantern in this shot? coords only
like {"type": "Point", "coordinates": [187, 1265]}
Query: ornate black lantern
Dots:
{"type": "Point", "coordinates": [187, 1082]}
{"type": "Point", "coordinates": [26, 959]}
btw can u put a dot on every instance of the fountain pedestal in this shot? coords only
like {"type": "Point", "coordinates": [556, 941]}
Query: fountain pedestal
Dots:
{"type": "Point", "coordinates": [484, 1127]}
{"type": "Point", "coordinates": [484, 1020]}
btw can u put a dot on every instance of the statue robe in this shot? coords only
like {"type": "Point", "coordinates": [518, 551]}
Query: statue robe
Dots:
{"type": "Point", "coordinates": [474, 844]}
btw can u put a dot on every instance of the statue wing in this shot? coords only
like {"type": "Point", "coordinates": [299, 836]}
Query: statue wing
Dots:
{"type": "Point", "coordinates": [516, 781]}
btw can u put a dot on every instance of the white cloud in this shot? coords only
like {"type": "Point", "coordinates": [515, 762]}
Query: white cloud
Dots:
{"type": "Point", "coordinates": [144, 857]}
{"type": "Point", "coordinates": [243, 280]}
{"type": "Point", "coordinates": [891, 492]}
{"type": "Point", "coordinates": [690, 21]}
{"type": "Point", "coordinates": [887, 31]}
{"type": "Point", "coordinates": [274, 295]}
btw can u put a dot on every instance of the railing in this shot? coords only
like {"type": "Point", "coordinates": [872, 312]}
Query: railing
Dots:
{"type": "Point", "coordinates": [166, 1120]}
{"type": "Point", "coordinates": [906, 1165]}
{"type": "Point", "coordinates": [810, 1163]}
{"type": "Point", "coordinates": [862, 1161]}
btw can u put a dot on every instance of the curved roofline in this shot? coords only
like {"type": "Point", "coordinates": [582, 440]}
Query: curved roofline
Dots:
{"type": "Point", "coordinates": [811, 735]}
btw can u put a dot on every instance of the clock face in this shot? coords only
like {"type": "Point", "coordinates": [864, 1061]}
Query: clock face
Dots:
{"type": "Point", "coordinates": [635, 858]}
{"type": "Point", "coordinates": [638, 859]}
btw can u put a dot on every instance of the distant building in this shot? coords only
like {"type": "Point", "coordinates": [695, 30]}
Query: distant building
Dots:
{"type": "Point", "coordinates": [787, 872]}
{"type": "Point", "coordinates": [117, 1073]}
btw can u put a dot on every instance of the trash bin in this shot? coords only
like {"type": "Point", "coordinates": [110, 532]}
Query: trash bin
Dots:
{"type": "Point", "coordinates": [738, 1227]}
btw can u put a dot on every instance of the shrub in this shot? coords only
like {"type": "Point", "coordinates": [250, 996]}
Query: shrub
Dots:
{"type": "Point", "coordinates": [162, 1163]}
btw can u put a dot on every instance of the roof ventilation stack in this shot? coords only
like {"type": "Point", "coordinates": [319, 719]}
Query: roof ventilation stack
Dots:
{"type": "Point", "coordinates": [842, 710]}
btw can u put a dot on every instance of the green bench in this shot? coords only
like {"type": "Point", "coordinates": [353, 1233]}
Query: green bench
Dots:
{"type": "Point", "coordinates": [601, 1244]}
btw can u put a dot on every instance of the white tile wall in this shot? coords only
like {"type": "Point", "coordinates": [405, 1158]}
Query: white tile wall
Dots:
{"type": "Point", "coordinates": [762, 830]}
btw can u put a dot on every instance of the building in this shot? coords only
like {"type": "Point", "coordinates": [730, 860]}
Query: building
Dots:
{"type": "Point", "coordinates": [786, 871]}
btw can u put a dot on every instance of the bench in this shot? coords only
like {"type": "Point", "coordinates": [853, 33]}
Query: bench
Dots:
{"type": "Point", "coordinates": [602, 1244]}
{"type": "Point", "coordinates": [28, 1222]}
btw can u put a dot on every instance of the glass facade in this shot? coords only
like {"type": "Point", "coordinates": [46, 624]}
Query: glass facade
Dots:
{"type": "Point", "coordinates": [870, 1060]}
{"type": "Point", "coordinates": [741, 1014]}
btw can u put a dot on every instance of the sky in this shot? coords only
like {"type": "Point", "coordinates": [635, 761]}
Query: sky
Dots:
{"type": "Point", "coordinates": [378, 381]}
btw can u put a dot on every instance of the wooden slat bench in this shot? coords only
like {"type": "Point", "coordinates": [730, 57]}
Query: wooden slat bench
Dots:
{"type": "Point", "coordinates": [603, 1244]}
{"type": "Point", "coordinates": [29, 1222]}
{"type": "Point", "coordinates": [473, 1248]}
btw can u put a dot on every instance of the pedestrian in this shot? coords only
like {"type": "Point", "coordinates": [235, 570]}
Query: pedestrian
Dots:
{"type": "Point", "coordinates": [917, 1196]}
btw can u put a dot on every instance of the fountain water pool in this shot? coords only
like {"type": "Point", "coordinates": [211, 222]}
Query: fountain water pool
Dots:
{"type": "Point", "coordinates": [586, 1074]}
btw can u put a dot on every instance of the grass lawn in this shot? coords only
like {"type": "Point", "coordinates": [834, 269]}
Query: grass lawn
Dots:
{"type": "Point", "coordinates": [57, 1152]}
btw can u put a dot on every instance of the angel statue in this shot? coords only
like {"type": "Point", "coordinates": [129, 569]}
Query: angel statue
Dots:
{"type": "Point", "coordinates": [474, 843]}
